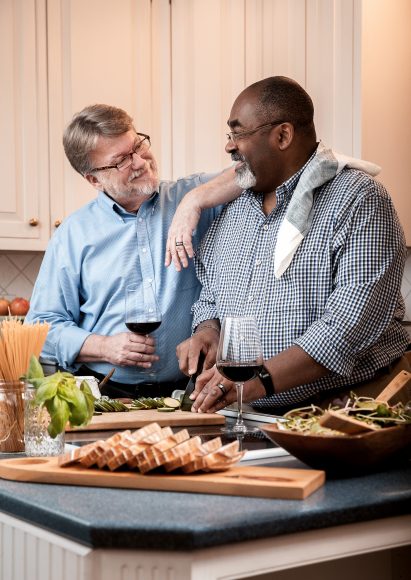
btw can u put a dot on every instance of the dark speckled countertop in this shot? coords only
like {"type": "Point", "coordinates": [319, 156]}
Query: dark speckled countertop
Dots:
{"type": "Point", "coordinates": [134, 519]}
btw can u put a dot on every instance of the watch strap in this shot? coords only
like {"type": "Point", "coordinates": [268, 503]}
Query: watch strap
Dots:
{"type": "Point", "coordinates": [267, 381]}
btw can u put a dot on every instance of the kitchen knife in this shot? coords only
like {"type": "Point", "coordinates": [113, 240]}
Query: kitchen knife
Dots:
{"type": "Point", "coordinates": [186, 402]}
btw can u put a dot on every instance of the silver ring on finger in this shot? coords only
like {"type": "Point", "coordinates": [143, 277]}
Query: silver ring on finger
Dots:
{"type": "Point", "coordinates": [222, 388]}
{"type": "Point", "coordinates": [179, 243]}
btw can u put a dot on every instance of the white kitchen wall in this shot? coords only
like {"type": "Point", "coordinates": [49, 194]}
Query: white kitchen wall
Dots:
{"type": "Point", "coordinates": [18, 272]}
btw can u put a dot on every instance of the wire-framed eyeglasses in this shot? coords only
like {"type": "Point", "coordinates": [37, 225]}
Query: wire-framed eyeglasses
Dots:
{"type": "Point", "coordinates": [140, 148]}
{"type": "Point", "coordinates": [234, 137]}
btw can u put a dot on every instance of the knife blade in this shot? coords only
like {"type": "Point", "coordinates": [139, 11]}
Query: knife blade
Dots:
{"type": "Point", "coordinates": [186, 402]}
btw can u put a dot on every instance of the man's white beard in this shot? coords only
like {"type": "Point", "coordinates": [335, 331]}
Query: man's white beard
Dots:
{"type": "Point", "coordinates": [244, 176]}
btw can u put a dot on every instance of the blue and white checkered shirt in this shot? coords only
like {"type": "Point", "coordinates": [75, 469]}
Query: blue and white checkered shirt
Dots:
{"type": "Point", "coordinates": [339, 300]}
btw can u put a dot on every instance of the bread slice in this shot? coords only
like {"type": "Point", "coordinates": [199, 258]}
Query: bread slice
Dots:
{"type": "Point", "coordinates": [125, 452]}
{"type": "Point", "coordinates": [223, 458]}
{"type": "Point", "coordinates": [72, 457]}
{"type": "Point", "coordinates": [179, 455]}
{"type": "Point", "coordinates": [137, 457]}
{"type": "Point", "coordinates": [98, 449]}
{"type": "Point", "coordinates": [198, 463]}
{"type": "Point", "coordinates": [112, 447]}
{"type": "Point", "coordinates": [153, 456]}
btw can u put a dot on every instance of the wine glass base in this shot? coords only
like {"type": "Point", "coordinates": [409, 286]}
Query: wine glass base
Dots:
{"type": "Point", "coordinates": [239, 429]}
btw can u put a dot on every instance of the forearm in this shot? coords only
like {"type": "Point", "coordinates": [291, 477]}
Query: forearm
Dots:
{"type": "Point", "coordinates": [93, 349]}
{"type": "Point", "coordinates": [219, 190]}
{"type": "Point", "coordinates": [293, 367]}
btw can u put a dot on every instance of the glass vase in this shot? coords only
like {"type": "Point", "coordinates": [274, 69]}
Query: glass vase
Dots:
{"type": "Point", "coordinates": [11, 416]}
{"type": "Point", "coordinates": [38, 442]}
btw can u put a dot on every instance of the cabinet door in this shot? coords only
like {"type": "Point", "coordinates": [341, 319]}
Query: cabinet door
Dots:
{"type": "Point", "coordinates": [101, 51]}
{"type": "Point", "coordinates": [24, 201]}
{"type": "Point", "coordinates": [221, 46]}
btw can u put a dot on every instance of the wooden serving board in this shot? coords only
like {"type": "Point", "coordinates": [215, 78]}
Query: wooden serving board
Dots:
{"type": "Point", "coordinates": [139, 418]}
{"type": "Point", "coordinates": [267, 482]}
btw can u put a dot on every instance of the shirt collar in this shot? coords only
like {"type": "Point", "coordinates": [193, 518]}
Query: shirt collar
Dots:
{"type": "Point", "coordinates": [108, 203]}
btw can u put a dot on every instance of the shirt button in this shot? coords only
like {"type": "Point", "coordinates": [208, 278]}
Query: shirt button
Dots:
{"type": "Point", "coordinates": [265, 227]}
{"type": "Point", "coordinates": [144, 250]}
{"type": "Point", "coordinates": [257, 262]}
{"type": "Point", "coordinates": [140, 219]}
{"type": "Point", "coordinates": [149, 280]}
{"type": "Point", "coordinates": [250, 298]}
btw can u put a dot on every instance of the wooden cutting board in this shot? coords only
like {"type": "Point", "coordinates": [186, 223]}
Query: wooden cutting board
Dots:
{"type": "Point", "coordinates": [267, 482]}
{"type": "Point", "coordinates": [136, 419]}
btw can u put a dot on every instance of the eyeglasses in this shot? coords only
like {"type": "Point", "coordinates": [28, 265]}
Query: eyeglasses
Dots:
{"type": "Point", "coordinates": [234, 137]}
{"type": "Point", "coordinates": [140, 149]}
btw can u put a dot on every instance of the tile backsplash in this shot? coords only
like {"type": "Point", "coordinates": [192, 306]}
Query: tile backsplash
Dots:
{"type": "Point", "coordinates": [18, 272]}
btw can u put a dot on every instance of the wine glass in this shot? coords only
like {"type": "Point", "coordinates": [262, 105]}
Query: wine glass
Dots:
{"type": "Point", "coordinates": [239, 359]}
{"type": "Point", "coordinates": [143, 314]}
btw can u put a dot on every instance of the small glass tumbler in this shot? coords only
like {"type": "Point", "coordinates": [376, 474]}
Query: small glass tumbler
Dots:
{"type": "Point", "coordinates": [11, 416]}
{"type": "Point", "coordinates": [37, 440]}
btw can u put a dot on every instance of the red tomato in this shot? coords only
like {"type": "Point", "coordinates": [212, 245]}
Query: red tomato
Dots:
{"type": "Point", "coordinates": [19, 306]}
{"type": "Point", "coordinates": [4, 307]}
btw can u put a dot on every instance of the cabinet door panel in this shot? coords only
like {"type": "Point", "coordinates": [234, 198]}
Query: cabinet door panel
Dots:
{"type": "Point", "coordinates": [23, 125]}
{"type": "Point", "coordinates": [99, 52]}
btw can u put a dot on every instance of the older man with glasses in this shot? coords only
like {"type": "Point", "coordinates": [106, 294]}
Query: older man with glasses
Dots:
{"type": "Point", "coordinates": [117, 239]}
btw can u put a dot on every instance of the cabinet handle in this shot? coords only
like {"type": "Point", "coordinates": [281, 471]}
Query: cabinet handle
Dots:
{"type": "Point", "coordinates": [34, 222]}
{"type": "Point", "coordinates": [57, 223]}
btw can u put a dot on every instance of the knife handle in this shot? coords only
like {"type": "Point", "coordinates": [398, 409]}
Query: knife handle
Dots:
{"type": "Point", "coordinates": [200, 364]}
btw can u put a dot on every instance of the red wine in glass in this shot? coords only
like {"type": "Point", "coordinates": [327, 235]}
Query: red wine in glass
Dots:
{"type": "Point", "coordinates": [239, 359]}
{"type": "Point", "coordinates": [239, 372]}
{"type": "Point", "coordinates": [143, 314]}
{"type": "Point", "coordinates": [143, 327]}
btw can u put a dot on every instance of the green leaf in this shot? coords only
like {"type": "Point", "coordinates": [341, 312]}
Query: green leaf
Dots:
{"type": "Point", "coordinates": [59, 413]}
{"type": "Point", "coordinates": [35, 370]}
{"type": "Point", "coordinates": [79, 412]}
{"type": "Point", "coordinates": [46, 391]}
{"type": "Point", "coordinates": [90, 398]}
{"type": "Point", "coordinates": [69, 391]}
{"type": "Point", "coordinates": [36, 382]}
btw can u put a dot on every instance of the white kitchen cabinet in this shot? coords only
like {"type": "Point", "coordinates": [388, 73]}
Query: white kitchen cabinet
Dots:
{"type": "Point", "coordinates": [176, 66]}
{"type": "Point", "coordinates": [24, 193]}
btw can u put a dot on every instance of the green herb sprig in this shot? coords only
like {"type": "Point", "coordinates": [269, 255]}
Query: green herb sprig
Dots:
{"type": "Point", "coordinates": [63, 399]}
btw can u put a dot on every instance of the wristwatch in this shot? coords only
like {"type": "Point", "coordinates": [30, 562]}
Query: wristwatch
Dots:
{"type": "Point", "coordinates": [267, 381]}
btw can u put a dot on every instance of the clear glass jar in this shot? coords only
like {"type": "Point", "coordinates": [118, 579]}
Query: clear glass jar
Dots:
{"type": "Point", "coordinates": [38, 442]}
{"type": "Point", "coordinates": [11, 416]}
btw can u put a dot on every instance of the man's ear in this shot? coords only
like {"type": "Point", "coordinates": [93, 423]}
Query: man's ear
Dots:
{"type": "Point", "coordinates": [93, 180]}
{"type": "Point", "coordinates": [285, 136]}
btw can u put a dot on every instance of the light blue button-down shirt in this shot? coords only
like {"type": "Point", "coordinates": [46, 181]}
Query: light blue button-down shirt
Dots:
{"type": "Point", "coordinates": [96, 252]}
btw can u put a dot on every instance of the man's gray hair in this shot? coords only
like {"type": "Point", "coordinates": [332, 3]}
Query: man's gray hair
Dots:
{"type": "Point", "coordinates": [80, 136]}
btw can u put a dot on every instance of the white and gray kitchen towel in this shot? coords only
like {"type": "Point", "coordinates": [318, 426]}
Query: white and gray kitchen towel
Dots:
{"type": "Point", "coordinates": [325, 165]}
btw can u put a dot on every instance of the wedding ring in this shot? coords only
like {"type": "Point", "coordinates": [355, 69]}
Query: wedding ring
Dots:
{"type": "Point", "coordinates": [222, 387]}
{"type": "Point", "coordinates": [179, 243]}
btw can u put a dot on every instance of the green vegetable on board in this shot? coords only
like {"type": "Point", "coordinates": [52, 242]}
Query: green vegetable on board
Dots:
{"type": "Point", "coordinates": [107, 405]}
{"type": "Point", "coordinates": [158, 403]}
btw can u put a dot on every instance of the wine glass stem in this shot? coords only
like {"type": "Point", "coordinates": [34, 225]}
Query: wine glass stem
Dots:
{"type": "Point", "coordinates": [239, 387]}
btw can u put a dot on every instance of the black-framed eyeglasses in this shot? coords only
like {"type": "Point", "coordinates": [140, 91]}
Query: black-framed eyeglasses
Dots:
{"type": "Point", "coordinates": [234, 137]}
{"type": "Point", "coordinates": [140, 149]}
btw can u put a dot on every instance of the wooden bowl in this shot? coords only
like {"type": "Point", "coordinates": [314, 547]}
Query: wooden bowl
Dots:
{"type": "Point", "coordinates": [346, 455]}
